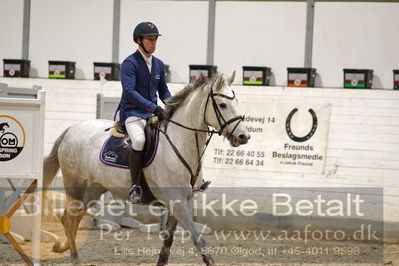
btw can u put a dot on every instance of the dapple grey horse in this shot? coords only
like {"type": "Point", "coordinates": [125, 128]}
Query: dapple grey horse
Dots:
{"type": "Point", "coordinates": [189, 116]}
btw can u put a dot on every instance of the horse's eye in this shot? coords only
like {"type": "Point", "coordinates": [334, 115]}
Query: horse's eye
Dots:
{"type": "Point", "coordinates": [222, 105]}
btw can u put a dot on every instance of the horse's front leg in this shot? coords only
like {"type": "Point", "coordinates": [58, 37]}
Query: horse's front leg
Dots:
{"type": "Point", "coordinates": [168, 236]}
{"type": "Point", "coordinates": [183, 215]}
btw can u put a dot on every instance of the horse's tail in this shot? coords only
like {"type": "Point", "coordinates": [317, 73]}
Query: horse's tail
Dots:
{"type": "Point", "coordinates": [51, 163]}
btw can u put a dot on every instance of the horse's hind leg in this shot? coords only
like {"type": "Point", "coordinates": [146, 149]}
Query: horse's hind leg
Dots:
{"type": "Point", "coordinates": [168, 240]}
{"type": "Point", "coordinates": [184, 217]}
{"type": "Point", "coordinates": [71, 219]}
{"type": "Point", "coordinates": [74, 211]}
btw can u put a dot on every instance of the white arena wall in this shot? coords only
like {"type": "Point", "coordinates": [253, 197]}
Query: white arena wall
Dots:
{"type": "Point", "coordinates": [183, 25]}
{"type": "Point", "coordinates": [257, 33]}
{"type": "Point", "coordinates": [356, 35]}
{"type": "Point", "coordinates": [79, 31]}
{"type": "Point", "coordinates": [361, 144]}
{"type": "Point", "coordinates": [11, 19]}
{"type": "Point", "coordinates": [268, 34]}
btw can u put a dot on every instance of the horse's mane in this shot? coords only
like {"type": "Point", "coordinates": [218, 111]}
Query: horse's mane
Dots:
{"type": "Point", "coordinates": [173, 103]}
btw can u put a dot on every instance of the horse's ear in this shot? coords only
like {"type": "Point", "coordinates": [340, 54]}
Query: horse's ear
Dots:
{"type": "Point", "coordinates": [218, 83]}
{"type": "Point", "coordinates": [231, 79]}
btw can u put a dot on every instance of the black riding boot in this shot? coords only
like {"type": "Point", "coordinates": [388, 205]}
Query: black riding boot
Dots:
{"type": "Point", "coordinates": [135, 166]}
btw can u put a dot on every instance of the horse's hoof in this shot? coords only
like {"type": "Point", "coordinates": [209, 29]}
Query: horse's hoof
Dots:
{"type": "Point", "coordinates": [57, 248]}
{"type": "Point", "coordinates": [75, 260]}
{"type": "Point", "coordinates": [210, 263]}
{"type": "Point", "coordinates": [60, 247]}
{"type": "Point", "coordinates": [162, 264]}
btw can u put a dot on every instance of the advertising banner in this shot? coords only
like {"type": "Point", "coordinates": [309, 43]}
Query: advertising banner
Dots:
{"type": "Point", "coordinates": [285, 137]}
{"type": "Point", "coordinates": [21, 137]}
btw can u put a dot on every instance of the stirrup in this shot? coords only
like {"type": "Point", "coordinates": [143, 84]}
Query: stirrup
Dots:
{"type": "Point", "coordinates": [137, 199]}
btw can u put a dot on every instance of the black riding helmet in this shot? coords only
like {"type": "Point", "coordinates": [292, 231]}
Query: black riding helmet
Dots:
{"type": "Point", "coordinates": [145, 29]}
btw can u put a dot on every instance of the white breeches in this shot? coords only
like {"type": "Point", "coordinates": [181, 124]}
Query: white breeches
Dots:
{"type": "Point", "coordinates": [135, 129]}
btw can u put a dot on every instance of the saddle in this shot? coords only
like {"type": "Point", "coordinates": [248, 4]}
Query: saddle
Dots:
{"type": "Point", "coordinates": [118, 130]}
{"type": "Point", "coordinates": [115, 153]}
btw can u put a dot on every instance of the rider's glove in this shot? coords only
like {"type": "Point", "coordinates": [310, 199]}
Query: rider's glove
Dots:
{"type": "Point", "coordinates": [159, 111]}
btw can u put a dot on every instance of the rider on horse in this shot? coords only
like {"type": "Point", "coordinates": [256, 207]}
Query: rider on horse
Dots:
{"type": "Point", "coordinates": [142, 77]}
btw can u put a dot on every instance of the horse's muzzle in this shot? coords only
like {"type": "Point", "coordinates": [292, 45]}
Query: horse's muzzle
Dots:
{"type": "Point", "coordinates": [240, 140]}
{"type": "Point", "coordinates": [244, 138]}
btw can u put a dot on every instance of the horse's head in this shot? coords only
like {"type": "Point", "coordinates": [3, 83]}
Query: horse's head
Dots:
{"type": "Point", "coordinates": [220, 111]}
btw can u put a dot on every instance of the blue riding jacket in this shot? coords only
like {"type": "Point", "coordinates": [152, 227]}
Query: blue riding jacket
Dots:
{"type": "Point", "coordinates": [140, 88]}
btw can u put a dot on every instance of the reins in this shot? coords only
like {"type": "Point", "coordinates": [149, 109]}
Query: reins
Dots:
{"type": "Point", "coordinates": [222, 123]}
{"type": "Point", "coordinates": [193, 175]}
{"type": "Point", "coordinates": [220, 118]}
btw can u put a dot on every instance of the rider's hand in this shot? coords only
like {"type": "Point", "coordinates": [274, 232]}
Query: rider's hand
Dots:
{"type": "Point", "coordinates": [160, 113]}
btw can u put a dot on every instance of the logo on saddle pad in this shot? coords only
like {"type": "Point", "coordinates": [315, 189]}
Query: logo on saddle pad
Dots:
{"type": "Point", "coordinates": [110, 157]}
{"type": "Point", "coordinates": [114, 152]}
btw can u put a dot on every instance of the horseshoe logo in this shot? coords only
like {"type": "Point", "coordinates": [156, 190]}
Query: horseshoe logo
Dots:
{"type": "Point", "coordinates": [311, 132]}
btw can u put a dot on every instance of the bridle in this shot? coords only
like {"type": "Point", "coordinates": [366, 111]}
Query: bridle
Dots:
{"type": "Point", "coordinates": [222, 123]}
{"type": "Point", "coordinates": [219, 116]}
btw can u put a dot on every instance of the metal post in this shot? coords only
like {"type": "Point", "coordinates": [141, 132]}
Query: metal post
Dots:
{"type": "Point", "coordinates": [25, 30]}
{"type": "Point", "coordinates": [309, 33]}
{"type": "Point", "coordinates": [211, 32]}
{"type": "Point", "coordinates": [115, 31]}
